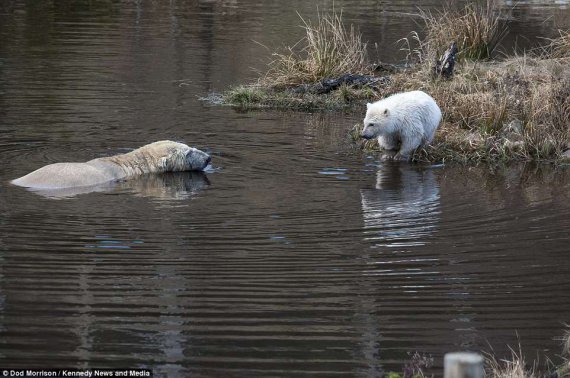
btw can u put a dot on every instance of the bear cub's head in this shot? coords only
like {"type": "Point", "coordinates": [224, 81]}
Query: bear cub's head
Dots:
{"type": "Point", "coordinates": [377, 121]}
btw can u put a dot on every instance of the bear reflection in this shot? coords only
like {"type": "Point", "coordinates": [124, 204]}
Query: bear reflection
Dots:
{"type": "Point", "coordinates": [403, 209]}
{"type": "Point", "coordinates": [164, 186]}
{"type": "Point", "coordinates": [172, 185]}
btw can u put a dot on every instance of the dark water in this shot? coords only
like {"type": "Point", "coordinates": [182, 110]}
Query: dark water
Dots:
{"type": "Point", "coordinates": [296, 255]}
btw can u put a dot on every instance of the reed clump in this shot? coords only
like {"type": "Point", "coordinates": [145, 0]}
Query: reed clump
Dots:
{"type": "Point", "coordinates": [478, 28]}
{"type": "Point", "coordinates": [559, 48]}
{"type": "Point", "coordinates": [517, 367]}
{"type": "Point", "coordinates": [329, 49]}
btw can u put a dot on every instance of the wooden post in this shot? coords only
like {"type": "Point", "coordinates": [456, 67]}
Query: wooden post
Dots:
{"type": "Point", "coordinates": [444, 65]}
{"type": "Point", "coordinates": [463, 365]}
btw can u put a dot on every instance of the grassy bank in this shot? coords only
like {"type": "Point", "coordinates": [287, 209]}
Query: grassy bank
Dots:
{"type": "Point", "coordinates": [516, 108]}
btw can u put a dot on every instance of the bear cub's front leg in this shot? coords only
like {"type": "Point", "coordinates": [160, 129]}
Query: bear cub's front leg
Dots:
{"type": "Point", "coordinates": [390, 145]}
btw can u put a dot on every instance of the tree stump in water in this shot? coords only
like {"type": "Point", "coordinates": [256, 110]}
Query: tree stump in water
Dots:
{"type": "Point", "coordinates": [444, 66]}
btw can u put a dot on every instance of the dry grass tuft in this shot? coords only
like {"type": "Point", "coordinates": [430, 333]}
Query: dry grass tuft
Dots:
{"type": "Point", "coordinates": [516, 367]}
{"type": "Point", "coordinates": [564, 369]}
{"type": "Point", "coordinates": [566, 342]}
{"type": "Point", "coordinates": [559, 48]}
{"type": "Point", "coordinates": [329, 49]}
{"type": "Point", "coordinates": [477, 29]}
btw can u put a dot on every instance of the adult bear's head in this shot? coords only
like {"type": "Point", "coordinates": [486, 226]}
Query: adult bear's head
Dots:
{"type": "Point", "coordinates": [173, 156]}
{"type": "Point", "coordinates": [180, 157]}
{"type": "Point", "coordinates": [196, 160]}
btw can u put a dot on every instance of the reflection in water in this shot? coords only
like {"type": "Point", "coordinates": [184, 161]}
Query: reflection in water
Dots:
{"type": "Point", "coordinates": [107, 242]}
{"type": "Point", "coordinates": [168, 186]}
{"type": "Point", "coordinates": [165, 186]}
{"type": "Point", "coordinates": [171, 283]}
{"type": "Point", "coordinates": [2, 296]}
{"type": "Point", "coordinates": [400, 212]}
{"type": "Point", "coordinates": [82, 323]}
{"type": "Point", "coordinates": [403, 209]}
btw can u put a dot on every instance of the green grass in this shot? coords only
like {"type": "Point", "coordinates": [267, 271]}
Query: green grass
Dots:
{"type": "Point", "coordinates": [249, 97]}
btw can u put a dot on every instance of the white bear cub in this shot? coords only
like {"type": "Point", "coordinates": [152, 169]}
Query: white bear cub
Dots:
{"type": "Point", "coordinates": [402, 123]}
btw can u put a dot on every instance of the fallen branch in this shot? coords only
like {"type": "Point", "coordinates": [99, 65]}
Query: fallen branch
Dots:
{"type": "Point", "coordinates": [329, 85]}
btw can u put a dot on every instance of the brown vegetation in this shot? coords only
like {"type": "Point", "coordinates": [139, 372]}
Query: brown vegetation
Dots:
{"type": "Point", "coordinates": [328, 50]}
{"type": "Point", "coordinates": [518, 109]}
{"type": "Point", "coordinates": [517, 367]}
{"type": "Point", "coordinates": [514, 367]}
{"type": "Point", "coordinates": [477, 29]}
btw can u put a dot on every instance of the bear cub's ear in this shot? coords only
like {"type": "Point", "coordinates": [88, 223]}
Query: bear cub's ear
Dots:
{"type": "Point", "coordinates": [368, 105]}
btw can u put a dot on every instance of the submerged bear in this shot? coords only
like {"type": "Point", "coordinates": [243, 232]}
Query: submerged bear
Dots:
{"type": "Point", "coordinates": [402, 123]}
{"type": "Point", "coordinates": [158, 157]}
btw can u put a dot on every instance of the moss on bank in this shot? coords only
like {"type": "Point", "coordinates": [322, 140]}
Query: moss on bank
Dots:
{"type": "Point", "coordinates": [255, 96]}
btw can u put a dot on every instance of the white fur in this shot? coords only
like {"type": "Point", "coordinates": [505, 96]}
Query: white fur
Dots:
{"type": "Point", "coordinates": [407, 119]}
{"type": "Point", "coordinates": [157, 157]}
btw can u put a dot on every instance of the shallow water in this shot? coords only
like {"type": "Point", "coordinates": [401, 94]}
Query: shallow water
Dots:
{"type": "Point", "coordinates": [295, 255]}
